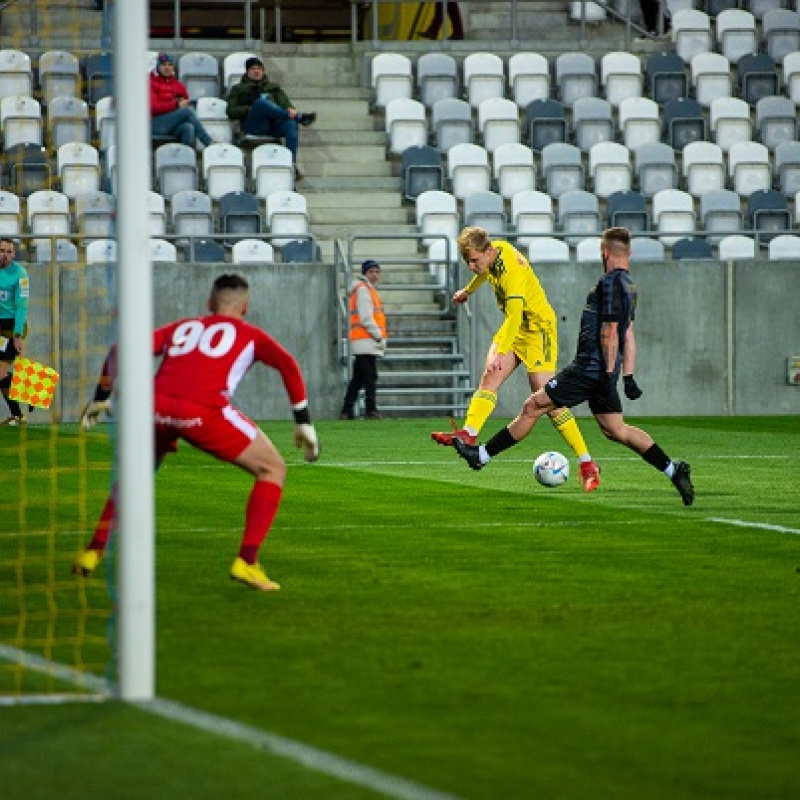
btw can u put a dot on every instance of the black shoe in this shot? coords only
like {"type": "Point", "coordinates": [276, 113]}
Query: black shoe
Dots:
{"type": "Point", "coordinates": [682, 481]}
{"type": "Point", "coordinates": [469, 452]}
{"type": "Point", "coordinates": [306, 119]}
{"type": "Point", "coordinates": [429, 35]}
{"type": "Point", "coordinates": [347, 415]}
{"type": "Point", "coordinates": [373, 415]}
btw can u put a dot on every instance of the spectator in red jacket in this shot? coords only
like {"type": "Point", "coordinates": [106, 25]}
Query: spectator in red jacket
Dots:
{"type": "Point", "coordinates": [170, 108]}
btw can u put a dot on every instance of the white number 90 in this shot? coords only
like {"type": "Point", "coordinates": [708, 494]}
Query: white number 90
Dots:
{"type": "Point", "coordinates": [194, 335]}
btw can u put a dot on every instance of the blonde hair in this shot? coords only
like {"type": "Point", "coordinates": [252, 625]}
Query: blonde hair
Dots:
{"type": "Point", "coordinates": [473, 239]}
{"type": "Point", "coordinates": [616, 240]}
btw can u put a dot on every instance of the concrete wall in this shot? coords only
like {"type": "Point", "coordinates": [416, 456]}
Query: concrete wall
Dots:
{"type": "Point", "coordinates": [713, 338]}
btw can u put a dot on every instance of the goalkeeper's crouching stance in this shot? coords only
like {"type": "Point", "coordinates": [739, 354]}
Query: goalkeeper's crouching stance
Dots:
{"type": "Point", "coordinates": [203, 360]}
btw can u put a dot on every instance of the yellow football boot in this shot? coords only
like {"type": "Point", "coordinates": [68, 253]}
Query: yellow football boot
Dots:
{"type": "Point", "coordinates": [253, 575]}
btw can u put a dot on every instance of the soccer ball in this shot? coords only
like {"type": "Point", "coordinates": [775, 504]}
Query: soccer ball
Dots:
{"type": "Point", "coordinates": [551, 469]}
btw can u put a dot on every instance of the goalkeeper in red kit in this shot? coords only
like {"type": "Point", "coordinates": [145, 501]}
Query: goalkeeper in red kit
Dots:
{"type": "Point", "coordinates": [203, 360]}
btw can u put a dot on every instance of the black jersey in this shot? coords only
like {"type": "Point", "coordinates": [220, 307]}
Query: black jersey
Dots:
{"type": "Point", "coordinates": [613, 299]}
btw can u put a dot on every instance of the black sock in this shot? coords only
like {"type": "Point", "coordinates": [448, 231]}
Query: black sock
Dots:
{"type": "Point", "coordinates": [656, 457]}
{"type": "Point", "coordinates": [13, 405]}
{"type": "Point", "coordinates": [502, 440]}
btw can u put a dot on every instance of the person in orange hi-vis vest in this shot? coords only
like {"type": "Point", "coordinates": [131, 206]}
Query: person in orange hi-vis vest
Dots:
{"type": "Point", "coordinates": [367, 340]}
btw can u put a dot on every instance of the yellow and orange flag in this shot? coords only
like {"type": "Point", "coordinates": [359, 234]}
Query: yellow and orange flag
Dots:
{"type": "Point", "coordinates": [33, 383]}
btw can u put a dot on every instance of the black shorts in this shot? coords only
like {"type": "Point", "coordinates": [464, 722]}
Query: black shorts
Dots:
{"type": "Point", "coordinates": [9, 352]}
{"type": "Point", "coordinates": [572, 386]}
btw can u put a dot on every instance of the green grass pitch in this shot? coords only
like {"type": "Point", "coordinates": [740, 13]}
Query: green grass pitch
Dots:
{"type": "Point", "coordinates": [472, 632]}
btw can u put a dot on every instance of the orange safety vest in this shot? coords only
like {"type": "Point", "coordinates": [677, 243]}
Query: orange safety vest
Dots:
{"type": "Point", "coordinates": [357, 330]}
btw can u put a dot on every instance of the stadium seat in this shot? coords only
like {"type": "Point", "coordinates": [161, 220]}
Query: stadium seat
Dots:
{"type": "Point", "coordinates": [105, 121]}
{"type": "Point", "coordinates": [48, 213]}
{"type": "Point", "coordinates": [199, 73]}
{"type": "Point", "coordinates": [760, 7]}
{"type": "Point", "coordinates": [703, 168]}
{"type": "Point", "coordinates": [10, 221]}
{"type": "Point", "coordinates": [730, 121]}
{"type": "Point", "coordinates": [468, 170]}
{"type": "Point", "coordinates": [443, 260]}
{"type": "Point", "coordinates": [757, 77]}
{"type": "Point", "coordinates": [16, 75]}
{"type": "Point", "coordinates": [391, 78]}
{"type": "Point", "coordinates": [791, 76]}
{"type": "Point", "coordinates": [528, 78]}
{"type": "Point", "coordinates": [59, 75]}
{"type": "Point", "coordinates": [711, 77]}
{"type": "Point", "coordinates": [21, 121]}
{"type": "Point", "coordinates": [437, 77]}
{"type": "Point", "coordinates": [498, 122]}
{"type": "Point", "coordinates": [610, 168]}
{"type": "Point", "coordinates": [781, 30]}
{"type": "Point", "coordinates": [421, 170]}
{"type": "Point", "coordinates": [213, 114]}
{"type": "Point", "coordinates": [176, 168]}
{"type": "Point", "coordinates": [736, 247]}
{"type": "Point", "coordinates": [546, 123]}
{"type": "Point", "coordinates": [749, 168]}
{"type": "Point", "coordinates": [787, 167]}
{"type": "Point", "coordinates": [437, 215]}
{"type": "Point", "coordinates": [586, 11]}
{"type": "Point", "coordinates": [692, 248]}
{"type": "Point", "coordinates": [162, 250]}
{"type": "Point", "coordinates": [628, 210]}
{"type": "Point", "coordinates": [673, 213]}
{"type": "Point", "coordinates": [562, 168]}
{"type": "Point", "coordinates": [191, 215]}
{"type": "Point", "coordinates": [272, 168]}
{"type": "Point", "coordinates": [301, 251]}
{"type": "Point", "coordinates": [593, 122]}
{"type": "Point", "coordinates": [205, 251]}
{"type": "Point", "coordinates": [451, 121]}
{"type": "Point", "coordinates": [531, 213]}
{"type": "Point", "coordinates": [736, 33]}
{"type": "Point", "coordinates": [101, 251]}
{"type": "Point", "coordinates": [485, 210]}
{"type": "Point", "coordinates": [667, 77]}
{"type": "Point", "coordinates": [26, 168]}
{"type": "Point", "coordinates": [721, 213]}
{"type": "Point", "coordinates": [684, 122]}
{"type": "Point", "coordinates": [768, 214]}
{"type": "Point", "coordinates": [691, 33]}
{"type": "Point", "coordinates": [233, 68]}
{"type": "Point", "coordinates": [65, 251]}
{"type": "Point", "coordinates": [776, 120]}
{"type": "Point", "coordinates": [287, 217]}
{"type": "Point", "coordinates": [67, 121]}
{"type": "Point", "coordinates": [621, 76]}
{"type": "Point", "coordinates": [578, 215]}
{"type": "Point", "coordinates": [406, 125]}
{"type": "Point", "coordinates": [484, 77]}
{"type": "Point", "coordinates": [95, 215]}
{"type": "Point", "coordinates": [513, 169]}
{"type": "Point", "coordinates": [99, 72]}
{"type": "Point", "coordinates": [547, 249]}
{"type": "Point", "coordinates": [646, 249]}
{"type": "Point", "coordinates": [240, 214]}
{"type": "Point", "coordinates": [157, 215]}
{"type": "Point", "coordinates": [252, 251]}
{"type": "Point", "coordinates": [785, 247]}
{"type": "Point", "coordinates": [655, 168]}
{"type": "Point", "coordinates": [639, 122]}
{"type": "Point", "coordinates": [78, 169]}
{"type": "Point", "coordinates": [223, 170]}
{"type": "Point", "coordinates": [576, 76]}
{"type": "Point", "coordinates": [588, 250]}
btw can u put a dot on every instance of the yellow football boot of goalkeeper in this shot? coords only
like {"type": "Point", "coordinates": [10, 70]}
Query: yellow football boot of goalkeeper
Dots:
{"type": "Point", "coordinates": [86, 562]}
{"type": "Point", "coordinates": [253, 575]}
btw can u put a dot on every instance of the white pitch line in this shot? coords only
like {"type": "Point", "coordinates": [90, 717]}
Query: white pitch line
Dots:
{"type": "Point", "coordinates": [290, 749]}
{"type": "Point", "coordinates": [763, 526]}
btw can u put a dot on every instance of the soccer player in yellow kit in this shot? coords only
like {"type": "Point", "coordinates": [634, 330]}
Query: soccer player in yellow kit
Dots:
{"type": "Point", "coordinates": [527, 336]}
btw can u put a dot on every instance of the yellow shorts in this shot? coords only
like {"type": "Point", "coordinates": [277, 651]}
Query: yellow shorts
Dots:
{"type": "Point", "coordinates": [536, 349]}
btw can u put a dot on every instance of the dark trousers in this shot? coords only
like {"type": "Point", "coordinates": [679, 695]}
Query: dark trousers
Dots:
{"type": "Point", "coordinates": [365, 376]}
{"type": "Point", "coordinates": [455, 20]}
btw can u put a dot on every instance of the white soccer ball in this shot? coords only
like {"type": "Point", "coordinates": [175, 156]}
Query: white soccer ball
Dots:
{"type": "Point", "coordinates": [551, 469]}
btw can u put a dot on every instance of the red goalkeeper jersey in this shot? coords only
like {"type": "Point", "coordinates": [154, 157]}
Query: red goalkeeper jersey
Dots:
{"type": "Point", "coordinates": [205, 358]}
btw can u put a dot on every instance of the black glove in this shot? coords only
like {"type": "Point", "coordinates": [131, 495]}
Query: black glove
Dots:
{"type": "Point", "coordinates": [632, 390]}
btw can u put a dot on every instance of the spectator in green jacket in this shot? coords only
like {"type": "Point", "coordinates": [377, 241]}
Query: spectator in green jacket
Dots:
{"type": "Point", "coordinates": [264, 109]}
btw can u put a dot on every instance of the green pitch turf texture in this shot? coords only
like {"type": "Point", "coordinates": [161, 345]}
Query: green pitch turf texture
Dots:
{"type": "Point", "coordinates": [472, 632]}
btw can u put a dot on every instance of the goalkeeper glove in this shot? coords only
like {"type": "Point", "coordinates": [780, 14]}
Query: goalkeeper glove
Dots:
{"type": "Point", "coordinates": [91, 414]}
{"type": "Point", "coordinates": [305, 437]}
{"type": "Point", "coordinates": [632, 390]}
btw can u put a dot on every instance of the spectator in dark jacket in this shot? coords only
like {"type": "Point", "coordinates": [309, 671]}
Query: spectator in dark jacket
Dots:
{"type": "Point", "coordinates": [264, 109]}
{"type": "Point", "coordinates": [170, 108]}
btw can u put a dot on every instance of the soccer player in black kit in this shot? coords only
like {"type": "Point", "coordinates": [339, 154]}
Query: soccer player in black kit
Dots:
{"type": "Point", "coordinates": [606, 346]}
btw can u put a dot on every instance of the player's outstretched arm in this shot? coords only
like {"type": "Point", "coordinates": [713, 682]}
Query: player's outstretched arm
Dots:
{"type": "Point", "coordinates": [93, 411]}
